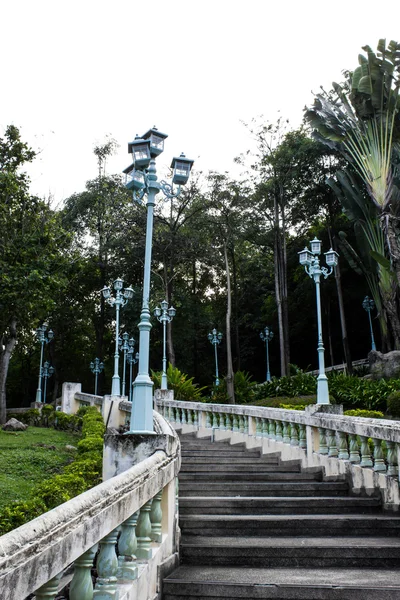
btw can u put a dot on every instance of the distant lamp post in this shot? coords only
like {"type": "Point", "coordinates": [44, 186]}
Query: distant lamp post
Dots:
{"type": "Point", "coordinates": [96, 367]}
{"type": "Point", "coordinates": [164, 315]}
{"type": "Point", "coordinates": [131, 359]}
{"type": "Point", "coordinates": [215, 338]}
{"type": "Point", "coordinates": [368, 305]}
{"type": "Point", "coordinates": [124, 347]}
{"type": "Point", "coordinates": [266, 337]}
{"type": "Point", "coordinates": [141, 178]}
{"type": "Point", "coordinates": [43, 339]}
{"type": "Point", "coordinates": [120, 299]}
{"type": "Point", "coordinates": [310, 261]}
{"type": "Point", "coordinates": [47, 372]}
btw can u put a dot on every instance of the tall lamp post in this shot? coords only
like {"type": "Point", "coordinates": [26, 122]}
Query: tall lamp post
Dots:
{"type": "Point", "coordinates": [124, 346]}
{"type": "Point", "coordinates": [131, 359]}
{"type": "Point", "coordinates": [43, 339]}
{"type": "Point", "coordinates": [141, 178]}
{"type": "Point", "coordinates": [266, 337]}
{"type": "Point", "coordinates": [368, 305]}
{"type": "Point", "coordinates": [47, 372]}
{"type": "Point", "coordinates": [120, 299]}
{"type": "Point", "coordinates": [215, 338]}
{"type": "Point", "coordinates": [310, 261]}
{"type": "Point", "coordinates": [96, 367]}
{"type": "Point", "coordinates": [164, 315]}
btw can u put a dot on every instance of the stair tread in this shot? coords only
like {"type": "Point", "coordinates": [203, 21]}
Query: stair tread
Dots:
{"type": "Point", "coordinates": [318, 517]}
{"type": "Point", "coordinates": [292, 542]}
{"type": "Point", "coordinates": [299, 499]}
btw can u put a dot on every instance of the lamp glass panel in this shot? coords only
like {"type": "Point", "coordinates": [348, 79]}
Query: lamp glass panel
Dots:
{"type": "Point", "coordinates": [331, 258]}
{"type": "Point", "coordinates": [141, 152]}
{"type": "Point", "coordinates": [304, 257]}
{"type": "Point", "coordinates": [316, 246]}
{"type": "Point", "coordinates": [157, 142]}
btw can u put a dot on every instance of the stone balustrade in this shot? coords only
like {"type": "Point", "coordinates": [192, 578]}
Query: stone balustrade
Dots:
{"type": "Point", "coordinates": [364, 451]}
{"type": "Point", "coordinates": [126, 526]}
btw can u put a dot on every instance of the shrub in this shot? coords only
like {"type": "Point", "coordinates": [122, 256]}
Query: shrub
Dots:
{"type": "Point", "coordinates": [16, 514]}
{"type": "Point", "coordinates": [183, 386]}
{"type": "Point", "coordinates": [292, 406]}
{"type": "Point", "coordinates": [393, 404]}
{"type": "Point", "coordinates": [367, 414]}
{"type": "Point", "coordinates": [89, 466]}
{"type": "Point", "coordinates": [280, 400]}
{"type": "Point", "coordinates": [59, 489]}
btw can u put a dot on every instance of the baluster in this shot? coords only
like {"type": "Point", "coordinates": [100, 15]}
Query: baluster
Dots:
{"type": "Point", "coordinates": [48, 591]}
{"type": "Point", "coordinates": [208, 419]}
{"type": "Point", "coordinates": [171, 414]}
{"type": "Point", "coordinates": [107, 569]}
{"type": "Point", "coordinates": [127, 545]}
{"type": "Point", "coordinates": [286, 436]}
{"type": "Point", "coordinates": [228, 425]}
{"type": "Point", "coordinates": [241, 424]}
{"type": "Point", "coordinates": [264, 428]}
{"type": "Point", "coordinates": [82, 584]}
{"type": "Point", "coordinates": [214, 420]}
{"type": "Point", "coordinates": [179, 415]}
{"type": "Point", "coordinates": [332, 445]}
{"type": "Point", "coordinates": [393, 469]}
{"type": "Point", "coordinates": [323, 447]}
{"type": "Point", "coordinates": [258, 427]}
{"type": "Point", "coordinates": [302, 436]}
{"type": "Point", "coordinates": [156, 518]}
{"type": "Point", "coordinates": [143, 532]}
{"type": "Point", "coordinates": [196, 418]}
{"type": "Point", "coordinates": [245, 424]}
{"type": "Point", "coordinates": [184, 416]}
{"type": "Point", "coordinates": [271, 429]}
{"type": "Point", "coordinates": [343, 450]}
{"type": "Point", "coordinates": [294, 436]}
{"type": "Point", "coordinates": [222, 421]}
{"type": "Point", "coordinates": [189, 417]}
{"type": "Point", "coordinates": [278, 431]}
{"type": "Point", "coordinates": [379, 462]}
{"type": "Point", "coordinates": [235, 423]}
{"type": "Point", "coordinates": [366, 460]}
{"type": "Point", "coordinates": [177, 497]}
{"type": "Point", "coordinates": [354, 449]}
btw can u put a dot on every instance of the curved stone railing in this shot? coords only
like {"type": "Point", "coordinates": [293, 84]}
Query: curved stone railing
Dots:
{"type": "Point", "coordinates": [129, 522]}
{"type": "Point", "coordinates": [364, 450]}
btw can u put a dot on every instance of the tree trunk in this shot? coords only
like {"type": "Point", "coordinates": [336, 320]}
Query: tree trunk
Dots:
{"type": "Point", "coordinates": [7, 344]}
{"type": "Point", "coordinates": [170, 343]}
{"type": "Point", "coordinates": [345, 341]}
{"type": "Point", "coordinates": [230, 387]}
{"type": "Point", "coordinates": [280, 287]}
{"type": "Point", "coordinates": [235, 312]}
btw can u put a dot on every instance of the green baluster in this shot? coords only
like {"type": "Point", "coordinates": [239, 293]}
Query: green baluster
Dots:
{"type": "Point", "coordinates": [271, 429]}
{"type": "Point", "coordinates": [393, 469]}
{"type": "Point", "coordinates": [48, 591]}
{"type": "Point", "coordinates": [189, 417]}
{"type": "Point", "coordinates": [184, 417]}
{"type": "Point", "coordinates": [354, 449]}
{"type": "Point", "coordinates": [302, 436]}
{"type": "Point", "coordinates": [294, 436]}
{"type": "Point", "coordinates": [107, 569]}
{"type": "Point", "coordinates": [82, 584]}
{"type": "Point", "coordinates": [127, 546]}
{"type": "Point", "coordinates": [222, 421]}
{"type": "Point", "coordinates": [214, 420]}
{"type": "Point", "coordinates": [278, 431]}
{"type": "Point", "coordinates": [208, 420]}
{"type": "Point", "coordinates": [332, 445]}
{"type": "Point", "coordinates": [195, 418]}
{"type": "Point", "coordinates": [323, 447]}
{"type": "Point", "coordinates": [366, 460]}
{"type": "Point", "coordinates": [343, 450]}
{"type": "Point", "coordinates": [235, 422]}
{"type": "Point", "coordinates": [258, 427]}
{"type": "Point", "coordinates": [265, 427]}
{"type": "Point", "coordinates": [143, 532]}
{"type": "Point", "coordinates": [156, 518]}
{"type": "Point", "coordinates": [171, 414]}
{"type": "Point", "coordinates": [286, 436]}
{"type": "Point", "coordinates": [245, 424]}
{"type": "Point", "coordinates": [228, 425]}
{"type": "Point", "coordinates": [241, 424]}
{"type": "Point", "coordinates": [379, 462]}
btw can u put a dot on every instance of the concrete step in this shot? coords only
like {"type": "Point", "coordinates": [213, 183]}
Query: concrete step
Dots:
{"type": "Point", "coordinates": [263, 477]}
{"type": "Point", "coordinates": [273, 488]}
{"type": "Point", "coordinates": [207, 452]}
{"type": "Point", "coordinates": [219, 459]}
{"type": "Point", "coordinates": [283, 552]}
{"type": "Point", "coordinates": [295, 525]}
{"type": "Point", "coordinates": [208, 583]}
{"type": "Point", "coordinates": [231, 467]}
{"type": "Point", "coordinates": [225, 505]}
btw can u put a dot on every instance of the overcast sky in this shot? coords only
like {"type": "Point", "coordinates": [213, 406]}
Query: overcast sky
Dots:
{"type": "Point", "coordinates": [74, 72]}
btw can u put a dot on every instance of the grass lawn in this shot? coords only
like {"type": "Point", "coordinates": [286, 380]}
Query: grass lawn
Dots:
{"type": "Point", "coordinates": [24, 462]}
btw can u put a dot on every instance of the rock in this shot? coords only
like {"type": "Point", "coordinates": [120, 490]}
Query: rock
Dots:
{"type": "Point", "coordinates": [14, 425]}
{"type": "Point", "coordinates": [384, 366]}
{"type": "Point", "coordinates": [68, 447]}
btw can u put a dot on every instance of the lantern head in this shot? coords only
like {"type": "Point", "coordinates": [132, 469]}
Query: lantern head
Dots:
{"type": "Point", "coordinates": [128, 294]}
{"type": "Point", "coordinates": [118, 284]}
{"type": "Point", "coordinates": [157, 311]}
{"type": "Point", "coordinates": [140, 150]}
{"type": "Point", "coordinates": [315, 246]}
{"type": "Point", "coordinates": [219, 336]}
{"type": "Point", "coordinates": [305, 257]}
{"type": "Point", "coordinates": [164, 305]}
{"type": "Point", "coordinates": [50, 334]}
{"type": "Point", "coordinates": [156, 139]}
{"type": "Point", "coordinates": [172, 311]}
{"type": "Point", "coordinates": [332, 258]}
{"type": "Point", "coordinates": [134, 179]}
{"type": "Point", "coordinates": [106, 292]}
{"type": "Point", "coordinates": [182, 167]}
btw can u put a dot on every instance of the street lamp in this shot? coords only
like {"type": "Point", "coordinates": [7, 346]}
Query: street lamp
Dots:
{"type": "Point", "coordinates": [120, 299]}
{"type": "Point", "coordinates": [43, 339]}
{"type": "Point", "coordinates": [310, 261]}
{"type": "Point", "coordinates": [47, 372]}
{"type": "Point", "coordinates": [141, 178]}
{"type": "Point", "coordinates": [215, 338]}
{"type": "Point", "coordinates": [368, 305]}
{"type": "Point", "coordinates": [164, 315]}
{"type": "Point", "coordinates": [124, 346]}
{"type": "Point", "coordinates": [131, 359]}
{"type": "Point", "coordinates": [266, 337]}
{"type": "Point", "coordinates": [96, 367]}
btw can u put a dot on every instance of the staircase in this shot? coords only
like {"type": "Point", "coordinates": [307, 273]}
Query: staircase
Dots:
{"type": "Point", "coordinates": [256, 527]}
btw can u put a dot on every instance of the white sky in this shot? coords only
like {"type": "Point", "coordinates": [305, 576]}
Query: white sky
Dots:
{"type": "Point", "coordinates": [73, 72]}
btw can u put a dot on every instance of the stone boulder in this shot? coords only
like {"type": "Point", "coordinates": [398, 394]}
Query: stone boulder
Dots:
{"type": "Point", "coordinates": [14, 425]}
{"type": "Point", "coordinates": [384, 366]}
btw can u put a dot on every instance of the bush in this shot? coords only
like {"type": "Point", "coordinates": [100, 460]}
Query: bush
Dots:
{"type": "Point", "coordinates": [292, 406]}
{"type": "Point", "coordinates": [364, 393]}
{"type": "Point", "coordinates": [284, 400]}
{"type": "Point", "coordinates": [90, 444]}
{"type": "Point", "coordinates": [60, 489]}
{"type": "Point", "coordinates": [393, 404]}
{"type": "Point", "coordinates": [48, 415]}
{"type": "Point", "coordinates": [16, 514]}
{"type": "Point", "coordinates": [88, 466]}
{"type": "Point", "coordinates": [183, 386]}
{"type": "Point", "coordinates": [367, 414]}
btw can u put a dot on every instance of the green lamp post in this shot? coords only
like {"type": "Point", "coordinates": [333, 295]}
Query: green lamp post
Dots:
{"type": "Point", "coordinates": [215, 338]}
{"type": "Point", "coordinates": [368, 304]}
{"type": "Point", "coordinates": [47, 372]}
{"type": "Point", "coordinates": [266, 337]}
{"type": "Point", "coordinates": [164, 315]}
{"type": "Point", "coordinates": [96, 367]}
{"type": "Point", "coordinates": [131, 359]}
{"type": "Point", "coordinates": [43, 338]}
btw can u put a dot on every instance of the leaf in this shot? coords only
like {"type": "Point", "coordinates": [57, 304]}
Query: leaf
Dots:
{"type": "Point", "coordinates": [382, 260]}
{"type": "Point", "coordinates": [364, 85]}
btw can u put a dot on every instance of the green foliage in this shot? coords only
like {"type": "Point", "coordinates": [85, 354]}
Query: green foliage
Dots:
{"type": "Point", "coordinates": [89, 467]}
{"type": "Point", "coordinates": [90, 444]}
{"type": "Point", "coordinates": [183, 386]}
{"type": "Point", "coordinates": [292, 406]}
{"type": "Point", "coordinates": [59, 489]}
{"type": "Point", "coordinates": [282, 401]}
{"type": "Point", "coordinates": [301, 384]}
{"type": "Point", "coordinates": [393, 404]}
{"type": "Point", "coordinates": [362, 393]}
{"type": "Point", "coordinates": [367, 414]}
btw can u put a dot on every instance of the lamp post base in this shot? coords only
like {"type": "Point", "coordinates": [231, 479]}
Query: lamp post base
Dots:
{"type": "Point", "coordinates": [142, 406]}
{"type": "Point", "coordinates": [38, 396]}
{"type": "Point", "coordinates": [322, 390]}
{"type": "Point", "coordinates": [115, 387]}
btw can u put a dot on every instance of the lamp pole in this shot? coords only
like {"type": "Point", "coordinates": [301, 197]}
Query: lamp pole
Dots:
{"type": "Point", "coordinates": [266, 337]}
{"type": "Point", "coordinates": [141, 178]}
{"type": "Point", "coordinates": [131, 359]}
{"type": "Point", "coordinates": [164, 315]}
{"type": "Point", "coordinates": [124, 346]}
{"type": "Point", "coordinates": [215, 338]}
{"type": "Point", "coordinates": [120, 299]}
{"type": "Point", "coordinates": [368, 305]}
{"type": "Point", "coordinates": [43, 339]}
{"type": "Point", "coordinates": [310, 261]}
{"type": "Point", "coordinates": [47, 372]}
{"type": "Point", "coordinates": [96, 367]}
